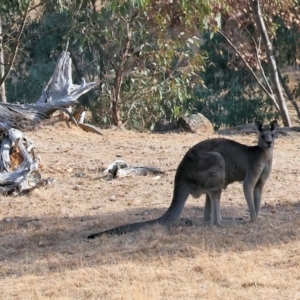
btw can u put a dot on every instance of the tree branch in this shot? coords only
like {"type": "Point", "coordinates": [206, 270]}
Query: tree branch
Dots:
{"type": "Point", "coordinates": [251, 70]}
{"type": "Point", "coordinates": [13, 23]}
{"type": "Point", "coordinates": [257, 49]}
{"type": "Point", "coordinates": [259, 21]}
{"type": "Point", "coordinates": [15, 49]}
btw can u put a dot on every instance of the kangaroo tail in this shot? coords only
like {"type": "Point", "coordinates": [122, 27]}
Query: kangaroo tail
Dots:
{"type": "Point", "coordinates": [181, 192]}
{"type": "Point", "coordinates": [125, 228]}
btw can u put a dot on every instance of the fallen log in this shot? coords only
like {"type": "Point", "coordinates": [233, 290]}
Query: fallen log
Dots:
{"type": "Point", "coordinates": [59, 94]}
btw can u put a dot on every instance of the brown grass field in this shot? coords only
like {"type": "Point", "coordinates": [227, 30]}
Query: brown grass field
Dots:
{"type": "Point", "coordinates": [44, 253]}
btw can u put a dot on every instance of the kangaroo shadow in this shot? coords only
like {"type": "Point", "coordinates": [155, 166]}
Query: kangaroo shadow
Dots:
{"type": "Point", "coordinates": [36, 240]}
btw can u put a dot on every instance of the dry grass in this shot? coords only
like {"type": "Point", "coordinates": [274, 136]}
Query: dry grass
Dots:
{"type": "Point", "coordinates": [44, 253]}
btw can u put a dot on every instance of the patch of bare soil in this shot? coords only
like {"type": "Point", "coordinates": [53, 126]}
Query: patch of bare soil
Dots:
{"type": "Point", "coordinates": [44, 253]}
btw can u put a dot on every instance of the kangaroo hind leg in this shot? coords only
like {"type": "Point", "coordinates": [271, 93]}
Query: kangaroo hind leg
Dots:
{"type": "Point", "coordinates": [212, 207]}
{"type": "Point", "coordinates": [257, 195]}
{"type": "Point", "coordinates": [207, 209]}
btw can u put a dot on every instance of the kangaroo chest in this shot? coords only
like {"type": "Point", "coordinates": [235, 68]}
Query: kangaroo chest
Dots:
{"type": "Point", "coordinates": [239, 170]}
{"type": "Point", "coordinates": [266, 169]}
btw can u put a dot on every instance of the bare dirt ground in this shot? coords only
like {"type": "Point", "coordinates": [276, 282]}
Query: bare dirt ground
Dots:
{"type": "Point", "coordinates": [44, 253]}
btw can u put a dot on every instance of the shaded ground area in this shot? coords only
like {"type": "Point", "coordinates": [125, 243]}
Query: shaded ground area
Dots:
{"type": "Point", "coordinates": [44, 253]}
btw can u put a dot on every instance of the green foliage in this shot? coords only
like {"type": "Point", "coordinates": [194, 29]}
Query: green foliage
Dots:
{"type": "Point", "coordinates": [230, 97]}
{"type": "Point", "coordinates": [44, 42]}
{"type": "Point", "coordinates": [162, 71]}
{"type": "Point", "coordinates": [13, 6]}
{"type": "Point", "coordinates": [155, 67]}
{"type": "Point", "coordinates": [232, 108]}
{"type": "Point", "coordinates": [286, 43]}
{"type": "Point", "coordinates": [144, 101]}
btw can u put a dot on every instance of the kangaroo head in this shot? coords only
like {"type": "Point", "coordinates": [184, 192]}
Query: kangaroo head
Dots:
{"type": "Point", "coordinates": [266, 134]}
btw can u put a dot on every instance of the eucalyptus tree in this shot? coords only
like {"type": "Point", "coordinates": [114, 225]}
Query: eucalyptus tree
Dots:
{"type": "Point", "coordinates": [229, 95]}
{"type": "Point", "coordinates": [146, 55]}
{"type": "Point", "coordinates": [250, 27]}
{"type": "Point", "coordinates": [144, 52]}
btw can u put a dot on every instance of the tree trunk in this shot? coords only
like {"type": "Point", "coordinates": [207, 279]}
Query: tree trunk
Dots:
{"type": "Point", "coordinates": [116, 100]}
{"type": "Point", "coordinates": [2, 70]}
{"type": "Point", "coordinates": [271, 62]}
{"type": "Point", "coordinates": [119, 78]}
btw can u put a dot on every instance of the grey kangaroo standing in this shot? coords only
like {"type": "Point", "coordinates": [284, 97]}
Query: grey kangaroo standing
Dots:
{"type": "Point", "coordinates": [210, 166]}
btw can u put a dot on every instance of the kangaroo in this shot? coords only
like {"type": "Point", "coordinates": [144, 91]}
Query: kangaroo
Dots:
{"type": "Point", "coordinates": [210, 166]}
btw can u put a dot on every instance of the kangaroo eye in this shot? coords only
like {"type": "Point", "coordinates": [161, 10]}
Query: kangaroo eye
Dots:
{"type": "Point", "coordinates": [263, 136]}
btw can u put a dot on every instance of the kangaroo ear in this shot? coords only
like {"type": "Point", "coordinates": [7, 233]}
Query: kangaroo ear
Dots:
{"type": "Point", "coordinates": [259, 125]}
{"type": "Point", "coordinates": [273, 124]}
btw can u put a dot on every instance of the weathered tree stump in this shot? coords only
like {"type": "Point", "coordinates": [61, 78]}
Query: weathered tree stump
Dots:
{"type": "Point", "coordinates": [18, 161]}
